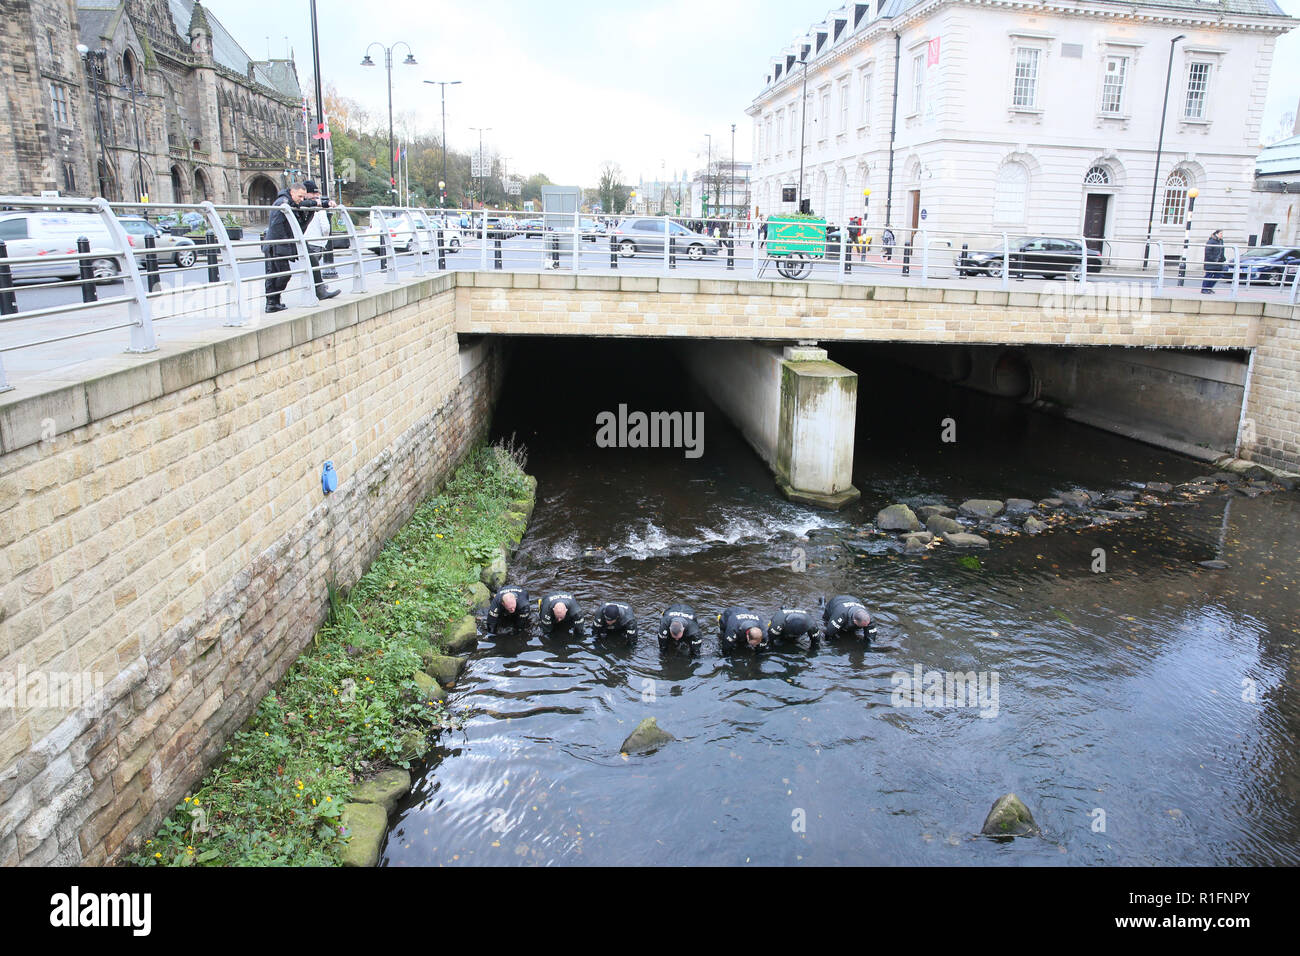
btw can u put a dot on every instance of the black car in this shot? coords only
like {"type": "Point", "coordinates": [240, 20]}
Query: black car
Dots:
{"type": "Point", "coordinates": [1270, 265]}
{"type": "Point", "coordinates": [1039, 255]}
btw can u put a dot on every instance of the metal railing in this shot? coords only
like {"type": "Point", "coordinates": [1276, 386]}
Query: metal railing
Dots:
{"type": "Point", "coordinates": [220, 281]}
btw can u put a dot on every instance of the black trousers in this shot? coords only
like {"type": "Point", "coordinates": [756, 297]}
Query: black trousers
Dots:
{"type": "Point", "coordinates": [277, 277]}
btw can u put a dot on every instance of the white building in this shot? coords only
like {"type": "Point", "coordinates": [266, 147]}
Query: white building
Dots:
{"type": "Point", "coordinates": [1022, 117]}
{"type": "Point", "coordinates": [724, 186]}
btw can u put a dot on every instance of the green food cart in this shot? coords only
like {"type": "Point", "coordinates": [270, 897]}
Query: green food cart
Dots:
{"type": "Point", "coordinates": [794, 240]}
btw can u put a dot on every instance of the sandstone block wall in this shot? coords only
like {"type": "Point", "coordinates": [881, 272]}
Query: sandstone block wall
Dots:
{"type": "Point", "coordinates": [164, 529]}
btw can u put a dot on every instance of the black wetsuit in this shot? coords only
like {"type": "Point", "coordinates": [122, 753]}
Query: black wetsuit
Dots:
{"type": "Point", "coordinates": [572, 624]}
{"type": "Point", "coordinates": [732, 625]}
{"type": "Point", "coordinates": [838, 618]}
{"type": "Point", "coordinates": [623, 625]}
{"type": "Point", "coordinates": [499, 619]}
{"type": "Point", "coordinates": [690, 640]}
{"type": "Point", "coordinates": [790, 624]}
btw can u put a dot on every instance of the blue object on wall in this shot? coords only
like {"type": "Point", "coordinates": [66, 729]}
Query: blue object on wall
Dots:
{"type": "Point", "coordinates": [329, 478]}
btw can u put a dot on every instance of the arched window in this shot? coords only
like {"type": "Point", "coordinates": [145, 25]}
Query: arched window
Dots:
{"type": "Point", "coordinates": [1174, 210]}
{"type": "Point", "coordinates": [1097, 176]}
{"type": "Point", "coordinates": [1011, 194]}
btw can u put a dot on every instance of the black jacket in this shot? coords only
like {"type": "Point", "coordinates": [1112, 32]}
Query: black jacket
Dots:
{"type": "Point", "coordinates": [498, 617]}
{"type": "Point", "coordinates": [1214, 250]}
{"type": "Point", "coordinates": [690, 639]}
{"type": "Point", "coordinates": [838, 617]}
{"type": "Point", "coordinates": [732, 625]}
{"type": "Point", "coordinates": [792, 623]}
{"type": "Point", "coordinates": [279, 240]}
{"type": "Point", "coordinates": [572, 623]}
{"type": "Point", "coordinates": [623, 626]}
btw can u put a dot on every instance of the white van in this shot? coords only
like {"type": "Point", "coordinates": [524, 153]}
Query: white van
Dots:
{"type": "Point", "coordinates": [56, 233]}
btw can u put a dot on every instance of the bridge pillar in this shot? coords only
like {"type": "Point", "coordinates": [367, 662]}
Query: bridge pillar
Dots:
{"type": "Point", "coordinates": [794, 406]}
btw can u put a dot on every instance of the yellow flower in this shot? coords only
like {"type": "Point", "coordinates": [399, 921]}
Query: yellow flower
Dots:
{"type": "Point", "coordinates": [188, 799]}
{"type": "Point", "coordinates": [439, 536]}
{"type": "Point", "coordinates": [329, 799]}
{"type": "Point", "coordinates": [313, 801]}
{"type": "Point", "coordinates": [196, 801]}
{"type": "Point", "coordinates": [157, 856]}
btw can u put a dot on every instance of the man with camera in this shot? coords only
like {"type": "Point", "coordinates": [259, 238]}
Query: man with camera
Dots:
{"type": "Point", "coordinates": [280, 248]}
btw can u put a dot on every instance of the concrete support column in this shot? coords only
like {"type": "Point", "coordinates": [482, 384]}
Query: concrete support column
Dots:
{"type": "Point", "coordinates": [795, 407]}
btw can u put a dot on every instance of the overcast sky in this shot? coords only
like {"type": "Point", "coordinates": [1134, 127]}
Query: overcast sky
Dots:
{"type": "Point", "coordinates": [566, 84]}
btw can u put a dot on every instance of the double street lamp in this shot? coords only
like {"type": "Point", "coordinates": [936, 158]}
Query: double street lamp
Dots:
{"type": "Point", "coordinates": [94, 61]}
{"type": "Point", "coordinates": [442, 183]}
{"type": "Point", "coordinates": [388, 64]}
{"type": "Point", "coordinates": [132, 89]}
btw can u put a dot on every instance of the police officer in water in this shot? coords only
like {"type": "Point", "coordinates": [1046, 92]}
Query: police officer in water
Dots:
{"type": "Point", "coordinates": [615, 620]}
{"type": "Point", "coordinates": [510, 610]}
{"type": "Point", "coordinates": [740, 629]}
{"type": "Point", "coordinates": [846, 616]}
{"type": "Point", "coordinates": [792, 623]}
{"type": "Point", "coordinates": [679, 632]}
{"type": "Point", "coordinates": [560, 616]}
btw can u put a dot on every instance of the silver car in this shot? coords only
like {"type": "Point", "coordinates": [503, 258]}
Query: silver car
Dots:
{"type": "Point", "coordinates": [646, 236]}
{"type": "Point", "coordinates": [180, 249]}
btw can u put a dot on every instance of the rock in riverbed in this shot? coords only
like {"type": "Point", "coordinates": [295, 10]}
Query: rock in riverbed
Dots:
{"type": "Point", "coordinates": [366, 824]}
{"type": "Point", "coordinates": [384, 789]}
{"type": "Point", "coordinates": [1009, 818]}
{"type": "Point", "coordinates": [461, 635]}
{"type": "Point", "coordinates": [981, 507]}
{"type": "Point", "coordinates": [1034, 526]}
{"type": "Point", "coordinates": [1016, 506]}
{"type": "Point", "coordinates": [941, 524]}
{"type": "Point", "coordinates": [646, 737]}
{"type": "Point", "coordinates": [897, 518]}
{"type": "Point", "coordinates": [444, 670]}
{"type": "Point", "coordinates": [962, 540]}
{"type": "Point", "coordinates": [1215, 565]}
{"type": "Point", "coordinates": [926, 512]}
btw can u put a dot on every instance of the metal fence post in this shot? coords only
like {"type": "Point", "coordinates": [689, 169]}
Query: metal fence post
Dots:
{"type": "Point", "coordinates": [577, 241]}
{"type": "Point", "coordinates": [1236, 271]}
{"type": "Point", "coordinates": [87, 276]}
{"type": "Point", "coordinates": [8, 303]}
{"type": "Point", "coordinates": [1160, 266]}
{"type": "Point", "coordinates": [1295, 287]}
{"type": "Point", "coordinates": [482, 239]}
{"type": "Point", "coordinates": [1006, 263]}
{"type": "Point", "coordinates": [232, 267]}
{"type": "Point", "coordinates": [358, 266]}
{"type": "Point", "coordinates": [139, 309]}
{"type": "Point", "coordinates": [907, 257]}
{"type": "Point", "coordinates": [1083, 269]}
{"type": "Point", "coordinates": [387, 254]}
{"type": "Point", "coordinates": [667, 232]}
{"type": "Point", "coordinates": [613, 252]}
{"type": "Point", "coordinates": [925, 258]}
{"type": "Point", "coordinates": [414, 244]}
{"type": "Point", "coordinates": [442, 253]}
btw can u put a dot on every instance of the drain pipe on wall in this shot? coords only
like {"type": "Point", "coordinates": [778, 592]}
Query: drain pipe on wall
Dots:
{"type": "Point", "coordinates": [893, 129]}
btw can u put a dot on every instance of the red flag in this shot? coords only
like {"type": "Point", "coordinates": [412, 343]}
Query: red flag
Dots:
{"type": "Point", "coordinates": [932, 53]}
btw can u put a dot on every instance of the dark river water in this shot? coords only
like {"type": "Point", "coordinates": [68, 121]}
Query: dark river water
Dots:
{"type": "Point", "coordinates": [1146, 714]}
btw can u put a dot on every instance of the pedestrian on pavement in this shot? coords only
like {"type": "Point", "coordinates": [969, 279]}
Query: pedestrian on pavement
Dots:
{"type": "Point", "coordinates": [887, 240]}
{"type": "Point", "coordinates": [317, 234]}
{"type": "Point", "coordinates": [278, 252]}
{"type": "Point", "coordinates": [1214, 258]}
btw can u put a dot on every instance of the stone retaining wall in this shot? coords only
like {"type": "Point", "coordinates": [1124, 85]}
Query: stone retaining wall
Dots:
{"type": "Point", "coordinates": [167, 533]}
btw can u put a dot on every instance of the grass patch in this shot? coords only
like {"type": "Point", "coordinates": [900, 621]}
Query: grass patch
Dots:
{"type": "Point", "coordinates": [349, 706]}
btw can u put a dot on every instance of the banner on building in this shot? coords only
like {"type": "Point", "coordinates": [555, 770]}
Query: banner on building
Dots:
{"type": "Point", "coordinates": [932, 53]}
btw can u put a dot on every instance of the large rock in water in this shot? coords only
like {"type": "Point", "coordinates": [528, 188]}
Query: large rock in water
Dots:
{"type": "Point", "coordinates": [429, 689]}
{"type": "Point", "coordinates": [1075, 499]}
{"type": "Point", "coordinates": [385, 789]}
{"type": "Point", "coordinates": [479, 597]}
{"type": "Point", "coordinates": [1009, 818]}
{"type": "Point", "coordinates": [516, 524]}
{"type": "Point", "coordinates": [1019, 505]}
{"type": "Point", "coordinates": [897, 518]}
{"type": "Point", "coordinates": [647, 736]}
{"type": "Point", "coordinates": [1034, 526]}
{"type": "Point", "coordinates": [941, 524]}
{"type": "Point", "coordinates": [461, 635]}
{"type": "Point", "coordinates": [444, 670]}
{"type": "Point", "coordinates": [366, 824]}
{"type": "Point", "coordinates": [965, 541]}
{"type": "Point", "coordinates": [929, 511]}
{"type": "Point", "coordinates": [981, 507]}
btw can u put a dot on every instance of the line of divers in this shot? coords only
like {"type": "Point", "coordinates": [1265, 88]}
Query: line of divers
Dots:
{"type": "Point", "coordinates": [739, 629]}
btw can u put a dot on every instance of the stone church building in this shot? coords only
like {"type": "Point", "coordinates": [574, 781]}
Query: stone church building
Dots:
{"type": "Point", "coordinates": [142, 98]}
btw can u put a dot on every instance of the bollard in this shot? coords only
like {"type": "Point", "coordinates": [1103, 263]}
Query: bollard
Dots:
{"type": "Point", "coordinates": [731, 253]}
{"type": "Point", "coordinates": [672, 252]}
{"type": "Point", "coordinates": [87, 276]}
{"type": "Point", "coordinates": [961, 268]}
{"type": "Point", "coordinates": [442, 253]}
{"type": "Point", "coordinates": [496, 253]}
{"type": "Point", "coordinates": [613, 253]}
{"type": "Point", "coordinates": [214, 273]}
{"type": "Point", "coordinates": [554, 241]}
{"type": "Point", "coordinates": [846, 253]}
{"type": "Point", "coordinates": [151, 262]}
{"type": "Point", "coordinates": [907, 257]}
{"type": "Point", "coordinates": [8, 304]}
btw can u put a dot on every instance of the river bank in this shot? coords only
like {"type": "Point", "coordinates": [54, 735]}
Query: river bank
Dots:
{"type": "Point", "coordinates": [310, 779]}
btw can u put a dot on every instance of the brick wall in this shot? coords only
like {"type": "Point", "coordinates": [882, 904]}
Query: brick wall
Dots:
{"type": "Point", "coordinates": [1271, 425]}
{"type": "Point", "coordinates": [180, 546]}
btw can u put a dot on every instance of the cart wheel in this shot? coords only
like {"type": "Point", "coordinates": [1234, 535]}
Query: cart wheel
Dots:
{"type": "Point", "coordinates": [794, 267]}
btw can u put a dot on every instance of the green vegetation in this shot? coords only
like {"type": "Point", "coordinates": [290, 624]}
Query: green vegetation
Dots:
{"type": "Point", "coordinates": [349, 707]}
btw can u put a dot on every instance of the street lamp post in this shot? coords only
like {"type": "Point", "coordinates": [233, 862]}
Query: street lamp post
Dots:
{"type": "Point", "coordinates": [731, 175]}
{"type": "Point", "coordinates": [1160, 143]}
{"type": "Point", "coordinates": [707, 164]}
{"type": "Point", "coordinates": [388, 64]}
{"type": "Point", "coordinates": [132, 89]}
{"type": "Point", "coordinates": [482, 180]}
{"type": "Point", "coordinates": [803, 126]}
{"type": "Point", "coordinates": [444, 84]}
{"type": "Point", "coordinates": [1187, 232]}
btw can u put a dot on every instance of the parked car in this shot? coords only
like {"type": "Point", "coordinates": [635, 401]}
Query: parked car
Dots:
{"type": "Point", "coordinates": [646, 236]}
{"type": "Point", "coordinates": [399, 231]}
{"type": "Point", "coordinates": [1038, 255]}
{"type": "Point", "coordinates": [1269, 265]}
{"type": "Point", "coordinates": [180, 249]}
{"type": "Point", "coordinates": [532, 228]}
